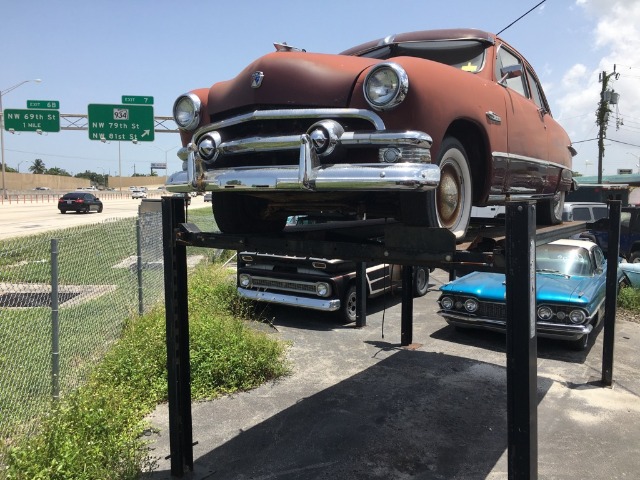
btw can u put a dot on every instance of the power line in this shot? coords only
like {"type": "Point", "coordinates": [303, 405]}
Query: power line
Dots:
{"type": "Point", "coordinates": [521, 17]}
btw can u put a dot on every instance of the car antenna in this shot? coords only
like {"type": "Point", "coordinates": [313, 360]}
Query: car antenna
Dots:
{"type": "Point", "coordinates": [521, 17]}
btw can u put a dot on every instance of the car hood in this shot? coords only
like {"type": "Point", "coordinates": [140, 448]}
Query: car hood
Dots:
{"type": "Point", "coordinates": [291, 79]}
{"type": "Point", "coordinates": [549, 287]}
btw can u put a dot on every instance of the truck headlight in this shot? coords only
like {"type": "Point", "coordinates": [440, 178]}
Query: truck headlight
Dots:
{"type": "Point", "coordinates": [323, 289]}
{"type": "Point", "coordinates": [244, 280]}
{"type": "Point", "coordinates": [186, 111]}
{"type": "Point", "coordinates": [385, 86]}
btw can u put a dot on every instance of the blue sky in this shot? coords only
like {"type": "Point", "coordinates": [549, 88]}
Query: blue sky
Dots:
{"type": "Point", "coordinates": [96, 52]}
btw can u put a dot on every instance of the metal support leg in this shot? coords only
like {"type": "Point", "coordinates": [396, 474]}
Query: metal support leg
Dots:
{"type": "Point", "coordinates": [177, 319]}
{"type": "Point", "coordinates": [361, 294]}
{"type": "Point", "coordinates": [522, 412]}
{"type": "Point", "coordinates": [613, 252]}
{"type": "Point", "coordinates": [406, 319]}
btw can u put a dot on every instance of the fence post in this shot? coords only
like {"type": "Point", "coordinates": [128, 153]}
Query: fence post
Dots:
{"type": "Point", "coordinates": [139, 252]}
{"type": "Point", "coordinates": [55, 323]}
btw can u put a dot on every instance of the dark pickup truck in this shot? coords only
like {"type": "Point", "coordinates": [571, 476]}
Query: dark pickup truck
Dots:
{"type": "Point", "coordinates": [317, 283]}
{"type": "Point", "coordinates": [629, 233]}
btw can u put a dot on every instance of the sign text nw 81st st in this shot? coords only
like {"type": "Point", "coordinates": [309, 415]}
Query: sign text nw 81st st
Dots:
{"type": "Point", "coordinates": [127, 123]}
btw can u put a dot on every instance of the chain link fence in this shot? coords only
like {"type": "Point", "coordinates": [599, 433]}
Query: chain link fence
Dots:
{"type": "Point", "coordinates": [64, 299]}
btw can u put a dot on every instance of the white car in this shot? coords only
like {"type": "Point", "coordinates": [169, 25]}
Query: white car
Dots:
{"type": "Point", "coordinates": [138, 194]}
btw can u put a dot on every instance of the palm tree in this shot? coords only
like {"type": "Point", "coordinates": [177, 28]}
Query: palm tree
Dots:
{"type": "Point", "coordinates": [37, 167]}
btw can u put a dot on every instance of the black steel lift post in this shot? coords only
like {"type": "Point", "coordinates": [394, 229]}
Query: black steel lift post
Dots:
{"type": "Point", "coordinates": [400, 245]}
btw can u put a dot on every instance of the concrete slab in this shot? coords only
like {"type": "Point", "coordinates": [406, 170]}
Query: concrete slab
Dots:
{"type": "Point", "coordinates": [359, 406]}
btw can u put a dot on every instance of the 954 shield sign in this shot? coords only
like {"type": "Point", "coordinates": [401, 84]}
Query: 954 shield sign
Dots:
{"type": "Point", "coordinates": [126, 123]}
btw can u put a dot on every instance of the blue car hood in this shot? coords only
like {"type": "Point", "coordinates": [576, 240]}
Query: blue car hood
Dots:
{"type": "Point", "coordinates": [549, 287]}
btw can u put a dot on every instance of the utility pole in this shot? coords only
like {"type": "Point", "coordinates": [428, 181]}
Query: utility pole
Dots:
{"type": "Point", "coordinates": [607, 97]}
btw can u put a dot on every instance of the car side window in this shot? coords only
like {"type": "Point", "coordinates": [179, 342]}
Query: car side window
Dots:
{"type": "Point", "coordinates": [599, 257]}
{"type": "Point", "coordinates": [581, 214]}
{"type": "Point", "coordinates": [508, 59]}
{"type": "Point", "coordinates": [536, 91]}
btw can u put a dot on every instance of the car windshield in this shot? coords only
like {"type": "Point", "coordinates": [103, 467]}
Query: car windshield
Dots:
{"type": "Point", "coordinates": [563, 259]}
{"type": "Point", "coordinates": [467, 55]}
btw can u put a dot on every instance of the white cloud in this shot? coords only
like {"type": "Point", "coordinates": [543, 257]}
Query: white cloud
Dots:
{"type": "Point", "coordinates": [616, 44]}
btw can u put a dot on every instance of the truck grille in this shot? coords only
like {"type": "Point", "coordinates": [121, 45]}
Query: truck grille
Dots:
{"type": "Point", "coordinates": [285, 285]}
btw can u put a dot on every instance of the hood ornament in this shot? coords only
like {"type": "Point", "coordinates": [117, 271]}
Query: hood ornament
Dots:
{"type": "Point", "coordinates": [256, 79]}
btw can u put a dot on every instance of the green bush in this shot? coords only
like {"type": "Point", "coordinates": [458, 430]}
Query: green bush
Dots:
{"type": "Point", "coordinates": [97, 432]}
{"type": "Point", "coordinates": [629, 299]}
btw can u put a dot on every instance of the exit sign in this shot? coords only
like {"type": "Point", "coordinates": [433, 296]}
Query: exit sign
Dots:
{"type": "Point", "coordinates": [137, 100]}
{"type": "Point", "coordinates": [46, 104]}
{"type": "Point", "coordinates": [127, 123]}
{"type": "Point", "coordinates": [32, 120]}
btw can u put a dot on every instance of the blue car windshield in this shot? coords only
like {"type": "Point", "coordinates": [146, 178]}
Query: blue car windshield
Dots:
{"type": "Point", "coordinates": [563, 259]}
{"type": "Point", "coordinates": [467, 55]}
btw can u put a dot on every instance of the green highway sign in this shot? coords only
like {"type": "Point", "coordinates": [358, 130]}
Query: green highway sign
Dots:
{"type": "Point", "coordinates": [126, 123]}
{"type": "Point", "coordinates": [47, 104]}
{"type": "Point", "coordinates": [32, 120]}
{"type": "Point", "coordinates": [137, 100]}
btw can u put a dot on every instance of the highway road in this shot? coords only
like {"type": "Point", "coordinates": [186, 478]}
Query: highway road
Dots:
{"type": "Point", "coordinates": [28, 216]}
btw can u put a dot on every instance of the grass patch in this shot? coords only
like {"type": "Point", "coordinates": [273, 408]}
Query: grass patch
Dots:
{"type": "Point", "coordinates": [629, 299]}
{"type": "Point", "coordinates": [98, 431]}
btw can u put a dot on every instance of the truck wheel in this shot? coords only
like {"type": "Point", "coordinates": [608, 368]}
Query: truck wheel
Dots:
{"type": "Point", "coordinates": [549, 212]}
{"type": "Point", "coordinates": [449, 205]}
{"type": "Point", "coordinates": [236, 213]}
{"type": "Point", "coordinates": [348, 306]}
{"type": "Point", "coordinates": [420, 281]}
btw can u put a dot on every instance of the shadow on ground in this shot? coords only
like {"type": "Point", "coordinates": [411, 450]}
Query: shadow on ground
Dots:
{"type": "Point", "coordinates": [419, 415]}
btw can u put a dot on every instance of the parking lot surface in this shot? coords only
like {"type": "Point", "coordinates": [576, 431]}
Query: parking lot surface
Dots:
{"type": "Point", "coordinates": [359, 406]}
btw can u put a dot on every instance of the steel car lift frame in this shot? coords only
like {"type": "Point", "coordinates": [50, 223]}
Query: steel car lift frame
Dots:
{"type": "Point", "coordinates": [510, 250]}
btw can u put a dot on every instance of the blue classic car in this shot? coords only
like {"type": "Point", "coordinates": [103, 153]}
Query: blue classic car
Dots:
{"type": "Point", "coordinates": [570, 292]}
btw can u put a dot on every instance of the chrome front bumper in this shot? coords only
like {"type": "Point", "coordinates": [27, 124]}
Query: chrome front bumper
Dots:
{"type": "Point", "coordinates": [309, 174]}
{"type": "Point", "coordinates": [326, 305]}
{"type": "Point", "coordinates": [543, 329]}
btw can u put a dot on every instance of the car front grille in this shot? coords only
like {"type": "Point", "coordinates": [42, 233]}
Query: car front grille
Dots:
{"type": "Point", "coordinates": [285, 285]}
{"type": "Point", "coordinates": [493, 310]}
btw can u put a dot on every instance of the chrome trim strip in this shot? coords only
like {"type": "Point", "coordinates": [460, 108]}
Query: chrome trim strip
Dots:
{"type": "Point", "coordinates": [543, 329]}
{"type": "Point", "coordinates": [291, 300]}
{"type": "Point", "coordinates": [511, 156]}
{"type": "Point", "coordinates": [410, 138]}
{"type": "Point", "coordinates": [320, 113]}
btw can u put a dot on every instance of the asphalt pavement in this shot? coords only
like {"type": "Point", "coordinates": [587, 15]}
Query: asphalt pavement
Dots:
{"type": "Point", "coordinates": [359, 406]}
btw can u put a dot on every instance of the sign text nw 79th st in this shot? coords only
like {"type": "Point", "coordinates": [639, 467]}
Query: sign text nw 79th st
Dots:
{"type": "Point", "coordinates": [126, 123]}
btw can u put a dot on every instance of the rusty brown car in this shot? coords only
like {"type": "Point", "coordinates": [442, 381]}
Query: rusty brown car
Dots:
{"type": "Point", "coordinates": [418, 127]}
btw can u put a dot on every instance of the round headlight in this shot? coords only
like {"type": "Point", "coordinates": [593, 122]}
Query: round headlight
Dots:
{"type": "Point", "coordinates": [244, 280]}
{"type": "Point", "coordinates": [545, 313]}
{"type": "Point", "coordinates": [577, 316]}
{"type": "Point", "coordinates": [186, 111]}
{"type": "Point", "coordinates": [447, 303]}
{"type": "Point", "coordinates": [386, 86]}
{"type": "Point", "coordinates": [471, 305]}
{"type": "Point", "coordinates": [323, 289]}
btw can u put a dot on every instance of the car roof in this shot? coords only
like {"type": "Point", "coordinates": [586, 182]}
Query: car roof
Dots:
{"type": "Point", "coordinates": [425, 35]}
